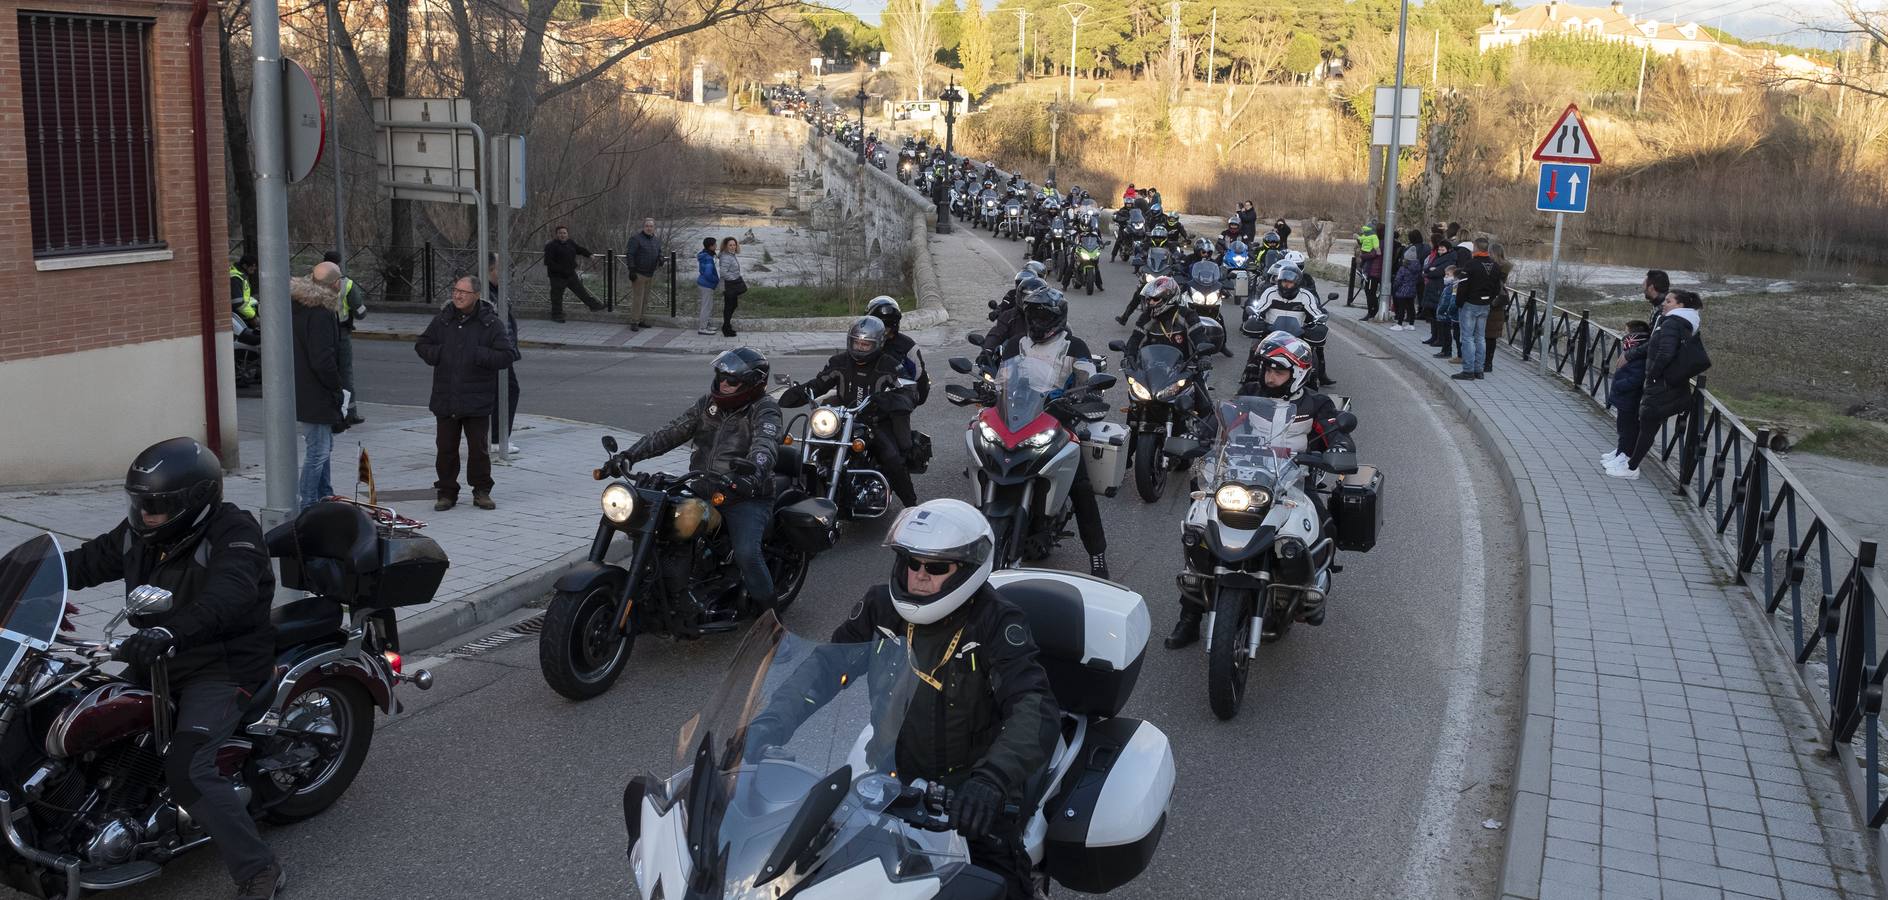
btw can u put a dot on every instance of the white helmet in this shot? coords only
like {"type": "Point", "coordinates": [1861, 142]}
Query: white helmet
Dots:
{"type": "Point", "coordinates": [941, 531]}
{"type": "Point", "coordinates": [1297, 258]}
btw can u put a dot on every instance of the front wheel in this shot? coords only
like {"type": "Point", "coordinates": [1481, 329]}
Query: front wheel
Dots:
{"type": "Point", "coordinates": [334, 720]}
{"type": "Point", "coordinates": [789, 568]}
{"type": "Point", "coordinates": [1150, 475]}
{"type": "Point", "coordinates": [580, 651]}
{"type": "Point", "coordinates": [1226, 660]}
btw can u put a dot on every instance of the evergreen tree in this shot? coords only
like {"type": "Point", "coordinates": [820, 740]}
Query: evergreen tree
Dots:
{"type": "Point", "coordinates": [975, 50]}
{"type": "Point", "coordinates": [1302, 54]}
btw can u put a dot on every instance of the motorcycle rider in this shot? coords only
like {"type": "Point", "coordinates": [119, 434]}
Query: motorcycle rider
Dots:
{"type": "Point", "coordinates": [866, 369]}
{"type": "Point", "coordinates": [1084, 229]}
{"type": "Point", "coordinates": [1279, 367]}
{"type": "Point", "coordinates": [1008, 315]}
{"type": "Point", "coordinates": [735, 429]}
{"type": "Point", "coordinates": [1166, 318]}
{"type": "Point", "coordinates": [901, 346]}
{"type": "Point", "coordinates": [1271, 252]}
{"type": "Point", "coordinates": [1046, 337]}
{"type": "Point", "coordinates": [217, 640]}
{"type": "Point", "coordinates": [984, 721]}
{"type": "Point", "coordinates": [1286, 296]}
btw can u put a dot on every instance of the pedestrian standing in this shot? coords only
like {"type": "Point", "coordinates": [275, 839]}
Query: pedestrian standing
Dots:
{"type": "Point", "coordinates": [728, 266]}
{"type": "Point", "coordinates": [1498, 313]}
{"type": "Point", "coordinates": [1628, 385]}
{"type": "Point", "coordinates": [511, 371]}
{"type": "Point", "coordinates": [560, 268]}
{"type": "Point", "coordinates": [645, 257]}
{"type": "Point", "coordinates": [1674, 355]}
{"type": "Point", "coordinates": [466, 345]}
{"type": "Point", "coordinates": [1474, 298]}
{"type": "Point", "coordinates": [706, 280]}
{"type": "Point", "coordinates": [1284, 234]}
{"type": "Point", "coordinates": [1434, 263]}
{"type": "Point", "coordinates": [1445, 311]}
{"type": "Point", "coordinates": [1248, 222]}
{"type": "Point", "coordinates": [318, 391]}
{"type": "Point", "coordinates": [353, 309]}
{"type": "Point", "coordinates": [1406, 284]}
{"type": "Point", "coordinates": [1370, 258]}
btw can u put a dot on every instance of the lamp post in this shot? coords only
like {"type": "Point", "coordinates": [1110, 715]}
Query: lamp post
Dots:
{"type": "Point", "coordinates": [860, 96]}
{"type": "Point", "coordinates": [940, 190]}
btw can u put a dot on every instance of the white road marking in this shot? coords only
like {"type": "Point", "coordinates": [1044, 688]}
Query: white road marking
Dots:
{"type": "Point", "coordinates": [1424, 873]}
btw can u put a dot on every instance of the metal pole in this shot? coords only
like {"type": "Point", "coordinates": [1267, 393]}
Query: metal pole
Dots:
{"type": "Point", "coordinates": [500, 192]}
{"type": "Point", "coordinates": [1076, 11]}
{"type": "Point", "coordinates": [1390, 161]}
{"type": "Point", "coordinates": [334, 144]}
{"type": "Point", "coordinates": [278, 345]}
{"type": "Point", "coordinates": [1212, 47]}
{"type": "Point", "coordinates": [1553, 281]}
{"type": "Point", "coordinates": [1638, 96]}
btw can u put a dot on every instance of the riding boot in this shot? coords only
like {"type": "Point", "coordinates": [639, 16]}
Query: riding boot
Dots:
{"type": "Point", "coordinates": [1187, 630]}
{"type": "Point", "coordinates": [1312, 611]}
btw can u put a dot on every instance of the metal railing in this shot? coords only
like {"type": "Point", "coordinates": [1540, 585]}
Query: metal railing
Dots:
{"type": "Point", "coordinates": [1818, 583]}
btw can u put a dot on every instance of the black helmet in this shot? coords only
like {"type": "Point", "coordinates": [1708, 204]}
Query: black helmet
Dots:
{"type": "Point", "coordinates": [885, 309]}
{"type": "Point", "coordinates": [865, 339]}
{"type": "Point", "coordinates": [175, 482]}
{"type": "Point", "coordinates": [1270, 240]}
{"type": "Point", "coordinates": [1030, 285]}
{"type": "Point", "coordinates": [740, 376]}
{"type": "Point", "coordinates": [1045, 313]}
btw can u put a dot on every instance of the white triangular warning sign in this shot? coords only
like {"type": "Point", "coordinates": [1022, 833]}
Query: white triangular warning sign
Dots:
{"type": "Point", "coordinates": [1568, 141]}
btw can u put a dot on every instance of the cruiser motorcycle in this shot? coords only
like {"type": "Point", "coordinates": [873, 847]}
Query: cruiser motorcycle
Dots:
{"type": "Point", "coordinates": [835, 440]}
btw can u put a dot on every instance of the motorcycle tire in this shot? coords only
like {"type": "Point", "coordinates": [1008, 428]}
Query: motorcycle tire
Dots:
{"type": "Point", "coordinates": [352, 712]}
{"type": "Point", "coordinates": [1088, 285]}
{"type": "Point", "coordinates": [1150, 472]}
{"type": "Point", "coordinates": [789, 570]}
{"type": "Point", "coordinates": [1226, 662]}
{"type": "Point", "coordinates": [576, 652]}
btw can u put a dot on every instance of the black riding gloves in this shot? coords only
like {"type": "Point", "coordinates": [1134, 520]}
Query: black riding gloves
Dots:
{"type": "Point", "coordinates": [146, 647]}
{"type": "Point", "coordinates": [974, 808]}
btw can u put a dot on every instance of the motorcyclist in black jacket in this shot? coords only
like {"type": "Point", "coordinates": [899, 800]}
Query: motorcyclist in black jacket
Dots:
{"type": "Point", "coordinates": [866, 369]}
{"type": "Point", "coordinates": [736, 431]}
{"type": "Point", "coordinates": [901, 347]}
{"type": "Point", "coordinates": [216, 641]}
{"type": "Point", "coordinates": [983, 722]}
{"type": "Point", "coordinates": [1007, 316]}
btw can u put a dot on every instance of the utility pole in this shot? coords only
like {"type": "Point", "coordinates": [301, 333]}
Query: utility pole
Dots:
{"type": "Point", "coordinates": [1076, 11]}
{"type": "Point", "coordinates": [1435, 57]}
{"type": "Point", "coordinates": [1055, 125]}
{"type": "Point", "coordinates": [1390, 152]}
{"type": "Point", "coordinates": [1638, 96]}
{"type": "Point", "coordinates": [1022, 48]}
{"type": "Point", "coordinates": [1173, 28]}
{"type": "Point", "coordinates": [334, 142]}
{"type": "Point", "coordinates": [278, 346]}
{"type": "Point", "coordinates": [1212, 47]}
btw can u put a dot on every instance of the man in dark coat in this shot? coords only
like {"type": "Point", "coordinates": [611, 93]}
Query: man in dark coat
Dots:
{"type": "Point", "coordinates": [645, 257]}
{"type": "Point", "coordinates": [467, 346]}
{"type": "Point", "coordinates": [318, 390]}
{"type": "Point", "coordinates": [560, 268]}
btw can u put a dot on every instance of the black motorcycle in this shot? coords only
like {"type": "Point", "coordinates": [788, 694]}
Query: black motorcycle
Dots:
{"type": "Point", "coordinates": [1161, 382]}
{"type": "Point", "coordinates": [680, 580]}
{"type": "Point", "coordinates": [836, 442]}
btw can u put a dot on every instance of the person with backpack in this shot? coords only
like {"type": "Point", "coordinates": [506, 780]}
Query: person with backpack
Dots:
{"type": "Point", "coordinates": [1674, 355]}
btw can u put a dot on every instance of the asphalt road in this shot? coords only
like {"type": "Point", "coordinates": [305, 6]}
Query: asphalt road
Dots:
{"type": "Point", "coordinates": [1369, 752]}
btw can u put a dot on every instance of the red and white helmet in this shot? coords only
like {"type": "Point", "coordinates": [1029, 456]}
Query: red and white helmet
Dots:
{"type": "Point", "coordinates": [1281, 350]}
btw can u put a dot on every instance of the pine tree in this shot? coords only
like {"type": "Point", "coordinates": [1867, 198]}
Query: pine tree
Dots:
{"type": "Point", "coordinates": [1301, 55]}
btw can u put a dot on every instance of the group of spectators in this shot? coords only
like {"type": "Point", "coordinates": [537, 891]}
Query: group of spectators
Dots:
{"type": "Point", "coordinates": [717, 266]}
{"type": "Point", "coordinates": [1658, 357]}
{"type": "Point", "coordinates": [1456, 284]}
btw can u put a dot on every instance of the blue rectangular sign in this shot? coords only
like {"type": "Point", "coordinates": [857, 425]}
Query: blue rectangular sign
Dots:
{"type": "Point", "coordinates": [1563, 188]}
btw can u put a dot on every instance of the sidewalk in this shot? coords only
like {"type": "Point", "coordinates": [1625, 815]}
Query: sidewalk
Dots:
{"type": "Point", "coordinates": [547, 514]}
{"type": "Point", "coordinates": [1667, 750]}
{"type": "Point", "coordinates": [599, 334]}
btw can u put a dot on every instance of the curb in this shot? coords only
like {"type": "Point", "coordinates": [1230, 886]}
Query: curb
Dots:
{"type": "Point", "coordinates": [489, 604]}
{"type": "Point", "coordinates": [595, 348]}
{"type": "Point", "coordinates": [1526, 850]}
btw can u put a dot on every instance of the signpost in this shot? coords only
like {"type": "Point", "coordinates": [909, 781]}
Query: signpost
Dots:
{"type": "Point", "coordinates": [1566, 154]}
{"type": "Point", "coordinates": [1387, 110]}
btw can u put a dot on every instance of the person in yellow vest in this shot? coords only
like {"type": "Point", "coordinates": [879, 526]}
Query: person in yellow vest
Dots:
{"type": "Point", "coordinates": [352, 309]}
{"type": "Point", "coordinates": [242, 279]}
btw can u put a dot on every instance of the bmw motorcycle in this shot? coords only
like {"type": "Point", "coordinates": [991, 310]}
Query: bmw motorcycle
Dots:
{"type": "Point", "coordinates": [1024, 450]}
{"type": "Point", "coordinates": [820, 813]}
{"type": "Point", "coordinates": [987, 211]}
{"type": "Point", "coordinates": [1259, 549]}
{"type": "Point", "coordinates": [680, 579]}
{"type": "Point", "coordinates": [84, 805]}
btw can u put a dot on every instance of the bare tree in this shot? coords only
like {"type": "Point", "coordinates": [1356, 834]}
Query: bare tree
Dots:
{"type": "Point", "coordinates": [1864, 69]}
{"type": "Point", "coordinates": [1260, 48]}
{"type": "Point", "coordinates": [1231, 129]}
{"type": "Point", "coordinates": [242, 180]}
{"type": "Point", "coordinates": [911, 26]}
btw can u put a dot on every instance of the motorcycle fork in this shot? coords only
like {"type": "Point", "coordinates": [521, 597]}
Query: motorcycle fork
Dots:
{"type": "Point", "coordinates": [638, 563]}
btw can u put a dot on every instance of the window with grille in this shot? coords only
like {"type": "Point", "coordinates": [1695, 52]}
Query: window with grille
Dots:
{"type": "Point", "coordinates": [84, 88]}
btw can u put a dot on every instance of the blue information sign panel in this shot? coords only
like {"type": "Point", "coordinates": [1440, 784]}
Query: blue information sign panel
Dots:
{"type": "Point", "coordinates": [1563, 188]}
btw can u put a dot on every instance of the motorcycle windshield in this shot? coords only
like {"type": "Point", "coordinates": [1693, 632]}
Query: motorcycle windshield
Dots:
{"type": "Point", "coordinates": [1204, 275]}
{"type": "Point", "coordinates": [1254, 441]}
{"type": "Point", "coordinates": [1022, 382]}
{"type": "Point", "coordinates": [788, 714]}
{"type": "Point", "coordinates": [1091, 244]}
{"type": "Point", "coordinates": [32, 600]}
{"type": "Point", "coordinates": [1160, 366]}
{"type": "Point", "coordinates": [1136, 220]}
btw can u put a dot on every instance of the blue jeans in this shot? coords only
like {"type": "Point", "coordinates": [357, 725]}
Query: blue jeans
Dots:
{"type": "Point", "coordinates": [747, 524]}
{"type": "Point", "coordinates": [1474, 340]}
{"type": "Point", "coordinates": [318, 444]}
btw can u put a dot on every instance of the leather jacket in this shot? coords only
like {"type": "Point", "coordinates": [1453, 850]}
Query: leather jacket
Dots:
{"type": "Point", "coordinates": [720, 436]}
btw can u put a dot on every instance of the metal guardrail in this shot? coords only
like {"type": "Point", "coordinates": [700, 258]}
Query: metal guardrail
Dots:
{"type": "Point", "coordinates": [1770, 525]}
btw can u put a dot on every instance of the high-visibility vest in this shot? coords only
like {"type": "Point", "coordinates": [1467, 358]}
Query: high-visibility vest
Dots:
{"type": "Point", "coordinates": [246, 306]}
{"type": "Point", "coordinates": [347, 288]}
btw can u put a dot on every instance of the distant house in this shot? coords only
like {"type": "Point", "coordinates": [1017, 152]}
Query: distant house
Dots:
{"type": "Point", "coordinates": [1611, 23]}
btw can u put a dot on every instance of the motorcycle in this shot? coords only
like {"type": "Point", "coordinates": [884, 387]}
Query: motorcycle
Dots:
{"type": "Point", "coordinates": [1203, 288]}
{"type": "Point", "coordinates": [1012, 225]}
{"type": "Point", "coordinates": [820, 813]}
{"type": "Point", "coordinates": [988, 212]}
{"type": "Point", "coordinates": [1158, 403]}
{"type": "Point", "coordinates": [1315, 333]}
{"type": "Point", "coordinates": [1024, 449]}
{"type": "Point", "coordinates": [1087, 262]}
{"type": "Point", "coordinates": [680, 579]}
{"type": "Point", "coordinates": [835, 437]}
{"type": "Point", "coordinates": [1131, 236]}
{"type": "Point", "coordinates": [1235, 270]}
{"type": "Point", "coordinates": [1258, 550]}
{"type": "Point", "coordinates": [85, 806]}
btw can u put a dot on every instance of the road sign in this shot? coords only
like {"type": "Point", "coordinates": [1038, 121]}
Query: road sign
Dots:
{"type": "Point", "coordinates": [427, 157]}
{"type": "Point", "coordinates": [1568, 141]}
{"type": "Point", "coordinates": [1564, 188]}
{"type": "Point", "coordinates": [1383, 111]}
{"type": "Point", "coordinates": [304, 122]}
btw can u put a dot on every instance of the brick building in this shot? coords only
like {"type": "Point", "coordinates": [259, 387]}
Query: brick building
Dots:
{"type": "Point", "coordinates": [103, 262]}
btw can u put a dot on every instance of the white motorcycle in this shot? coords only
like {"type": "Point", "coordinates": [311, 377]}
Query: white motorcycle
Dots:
{"type": "Point", "coordinates": [1258, 550]}
{"type": "Point", "coordinates": [824, 815]}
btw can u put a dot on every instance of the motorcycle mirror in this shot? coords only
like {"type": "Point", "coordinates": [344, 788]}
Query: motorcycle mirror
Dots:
{"type": "Point", "coordinates": [1340, 462]}
{"type": "Point", "coordinates": [1331, 296]}
{"type": "Point", "coordinates": [147, 600]}
{"type": "Point", "coordinates": [609, 444]}
{"type": "Point", "coordinates": [1118, 346]}
{"type": "Point", "coordinates": [975, 337]}
{"type": "Point", "coordinates": [993, 304]}
{"type": "Point", "coordinates": [1100, 381]}
{"type": "Point", "coordinates": [959, 395]}
{"type": "Point", "coordinates": [1347, 421]}
{"type": "Point", "coordinates": [960, 365]}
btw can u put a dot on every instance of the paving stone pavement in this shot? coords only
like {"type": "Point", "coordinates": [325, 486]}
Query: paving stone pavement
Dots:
{"type": "Point", "coordinates": [1669, 749]}
{"type": "Point", "coordinates": [546, 509]}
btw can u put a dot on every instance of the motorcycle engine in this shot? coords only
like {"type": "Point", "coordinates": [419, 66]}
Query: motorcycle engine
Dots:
{"type": "Point", "coordinates": [113, 842]}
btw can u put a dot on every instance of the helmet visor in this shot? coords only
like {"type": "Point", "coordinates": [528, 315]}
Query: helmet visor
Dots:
{"type": "Point", "coordinates": [154, 509]}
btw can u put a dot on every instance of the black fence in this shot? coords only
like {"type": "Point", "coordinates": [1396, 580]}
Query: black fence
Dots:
{"type": "Point", "coordinates": [434, 268]}
{"type": "Point", "coordinates": [1819, 583]}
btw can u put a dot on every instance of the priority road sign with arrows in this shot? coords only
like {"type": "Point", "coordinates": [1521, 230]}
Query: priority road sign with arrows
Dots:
{"type": "Point", "coordinates": [1568, 141]}
{"type": "Point", "coordinates": [1564, 188]}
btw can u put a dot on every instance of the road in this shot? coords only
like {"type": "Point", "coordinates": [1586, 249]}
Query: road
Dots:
{"type": "Point", "coordinates": [1368, 754]}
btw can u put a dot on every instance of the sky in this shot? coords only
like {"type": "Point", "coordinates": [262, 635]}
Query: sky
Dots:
{"type": "Point", "coordinates": [1761, 20]}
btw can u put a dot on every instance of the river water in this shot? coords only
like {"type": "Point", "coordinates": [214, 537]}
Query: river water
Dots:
{"type": "Point", "coordinates": [1595, 249]}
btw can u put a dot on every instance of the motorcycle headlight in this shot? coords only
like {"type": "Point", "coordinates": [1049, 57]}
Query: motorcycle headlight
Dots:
{"type": "Point", "coordinates": [825, 422]}
{"type": "Point", "coordinates": [1040, 440]}
{"type": "Point", "coordinates": [1233, 498]}
{"type": "Point", "coordinates": [1208, 298]}
{"type": "Point", "coordinates": [618, 502]}
{"type": "Point", "coordinates": [1173, 390]}
{"type": "Point", "coordinates": [1138, 389]}
{"type": "Point", "coordinates": [987, 433]}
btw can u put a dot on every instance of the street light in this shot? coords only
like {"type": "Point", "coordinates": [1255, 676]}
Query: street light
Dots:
{"type": "Point", "coordinates": [860, 96]}
{"type": "Point", "coordinates": [940, 190]}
